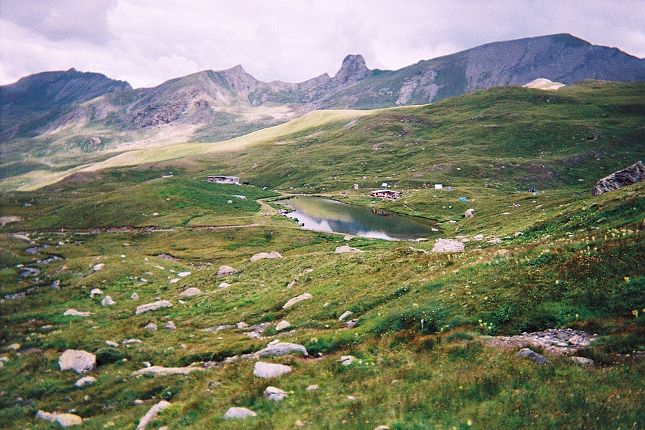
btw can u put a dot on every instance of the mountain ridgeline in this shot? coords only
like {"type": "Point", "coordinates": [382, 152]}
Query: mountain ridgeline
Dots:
{"type": "Point", "coordinates": [70, 106]}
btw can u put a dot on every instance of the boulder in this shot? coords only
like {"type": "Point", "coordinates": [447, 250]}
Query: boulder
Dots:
{"type": "Point", "coordinates": [225, 270]}
{"type": "Point", "coordinates": [164, 371]}
{"type": "Point", "coordinates": [85, 380]}
{"type": "Point", "coordinates": [533, 356]}
{"type": "Point", "coordinates": [152, 414]}
{"type": "Point", "coordinates": [78, 361]}
{"type": "Point", "coordinates": [74, 313]}
{"type": "Point", "coordinates": [312, 387]}
{"type": "Point", "coordinates": [448, 245]}
{"type": "Point", "coordinates": [238, 414]}
{"type": "Point", "coordinates": [282, 325]}
{"type": "Point", "coordinates": [151, 327]}
{"type": "Point", "coordinates": [478, 237]}
{"type": "Point", "coordinates": [295, 300]}
{"type": "Point", "coordinates": [266, 255]}
{"type": "Point", "coordinates": [183, 274]}
{"type": "Point", "coordinates": [98, 267]}
{"type": "Point", "coordinates": [583, 361]}
{"type": "Point", "coordinates": [107, 301]}
{"type": "Point", "coordinates": [131, 341]}
{"type": "Point", "coordinates": [111, 343]}
{"type": "Point", "coordinates": [345, 314]}
{"type": "Point", "coordinates": [96, 292]}
{"type": "Point", "coordinates": [270, 370]}
{"type": "Point", "coordinates": [170, 325]}
{"type": "Point", "coordinates": [622, 178]}
{"type": "Point", "coordinates": [190, 292]}
{"type": "Point", "coordinates": [275, 394]}
{"type": "Point", "coordinates": [63, 420]}
{"type": "Point", "coordinates": [160, 304]}
{"type": "Point", "coordinates": [469, 213]}
{"type": "Point", "coordinates": [281, 348]}
{"type": "Point", "coordinates": [346, 249]}
{"type": "Point", "coordinates": [134, 296]}
{"type": "Point", "coordinates": [224, 285]}
{"type": "Point", "coordinates": [346, 360]}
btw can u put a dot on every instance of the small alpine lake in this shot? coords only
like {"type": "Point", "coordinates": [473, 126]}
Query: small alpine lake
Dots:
{"type": "Point", "coordinates": [331, 216]}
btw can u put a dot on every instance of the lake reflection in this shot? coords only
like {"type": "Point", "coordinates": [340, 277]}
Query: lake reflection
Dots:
{"type": "Point", "coordinates": [321, 214]}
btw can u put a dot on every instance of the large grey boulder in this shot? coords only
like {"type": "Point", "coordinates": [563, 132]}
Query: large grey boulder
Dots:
{"type": "Point", "coordinates": [190, 292]}
{"type": "Point", "coordinates": [266, 255]}
{"type": "Point", "coordinates": [85, 380]}
{"type": "Point", "coordinates": [281, 348]}
{"type": "Point", "coordinates": [238, 414]}
{"type": "Point", "coordinates": [282, 325]}
{"type": "Point", "coordinates": [63, 420]}
{"type": "Point", "coordinates": [78, 361]}
{"type": "Point", "coordinates": [270, 370]}
{"type": "Point", "coordinates": [74, 313]}
{"type": "Point", "coordinates": [160, 304]}
{"type": "Point", "coordinates": [107, 301]}
{"type": "Point", "coordinates": [152, 414]}
{"type": "Point", "coordinates": [533, 356]}
{"type": "Point", "coordinates": [295, 300]}
{"type": "Point", "coordinates": [225, 270]}
{"type": "Point", "coordinates": [628, 176]}
{"type": "Point", "coordinates": [275, 394]}
{"type": "Point", "coordinates": [448, 246]}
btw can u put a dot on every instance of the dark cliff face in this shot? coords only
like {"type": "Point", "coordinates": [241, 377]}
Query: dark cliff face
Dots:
{"type": "Point", "coordinates": [47, 100]}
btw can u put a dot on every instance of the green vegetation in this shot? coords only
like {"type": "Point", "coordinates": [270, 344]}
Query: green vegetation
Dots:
{"type": "Point", "coordinates": [564, 259]}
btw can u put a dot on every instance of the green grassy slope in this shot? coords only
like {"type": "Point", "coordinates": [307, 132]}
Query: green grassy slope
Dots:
{"type": "Point", "coordinates": [565, 259]}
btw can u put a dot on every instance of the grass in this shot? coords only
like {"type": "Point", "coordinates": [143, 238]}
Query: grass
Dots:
{"type": "Point", "coordinates": [565, 259]}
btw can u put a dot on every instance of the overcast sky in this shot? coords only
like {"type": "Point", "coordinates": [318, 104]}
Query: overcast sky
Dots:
{"type": "Point", "coordinates": [148, 41]}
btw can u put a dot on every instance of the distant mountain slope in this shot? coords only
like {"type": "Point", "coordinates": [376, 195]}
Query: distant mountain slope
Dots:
{"type": "Point", "coordinates": [67, 111]}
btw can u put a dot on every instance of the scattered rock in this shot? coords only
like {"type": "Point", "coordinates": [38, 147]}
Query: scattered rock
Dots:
{"type": "Point", "coordinates": [346, 249]}
{"type": "Point", "coordinates": [107, 301]}
{"type": "Point", "coordinates": [190, 292]}
{"type": "Point", "coordinates": [151, 326]}
{"type": "Point", "coordinates": [242, 325]}
{"type": "Point", "coordinates": [164, 371]}
{"type": "Point", "coordinates": [312, 387]}
{"type": "Point", "coordinates": [224, 285]}
{"type": "Point", "coordinates": [583, 361]}
{"type": "Point", "coordinates": [131, 341]}
{"type": "Point", "coordinates": [266, 255]}
{"type": "Point", "coordinates": [225, 270]}
{"type": "Point", "coordinates": [138, 402]}
{"type": "Point", "coordinates": [448, 245]}
{"type": "Point", "coordinates": [238, 414]}
{"type": "Point", "coordinates": [160, 304]}
{"type": "Point", "coordinates": [170, 325]}
{"type": "Point", "coordinates": [533, 356]}
{"type": "Point", "coordinates": [622, 178]}
{"type": "Point", "coordinates": [554, 341]}
{"type": "Point", "coordinates": [478, 237]}
{"type": "Point", "coordinates": [98, 267]}
{"type": "Point", "coordinates": [183, 274]}
{"type": "Point", "coordinates": [55, 284]}
{"type": "Point", "coordinates": [64, 420]}
{"type": "Point", "coordinates": [469, 213]}
{"type": "Point", "coordinates": [78, 361]}
{"type": "Point", "coordinates": [111, 343]}
{"type": "Point", "coordinates": [282, 325]}
{"type": "Point", "coordinates": [281, 348]}
{"type": "Point", "coordinates": [382, 428]}
{"type": "Point", "coordinates": [295, 300]}
{"type": "Point", "coordinates": [134, 296]}
{"type": "Point", "coordinates": [152, 414]}
{"type": "Point", "coordinates": [345, 315]}
{"type": "Point", "coordinates": [346, 360]}
{"type": "Point", "coordinates": [255, 331]}
{"type": "Point", "coordinates": [351, 323]}
{"type": "Point", "coordinates": [14, 347]}
{"type": "Point", "coordinates": [275, 394]}
{"type": "Point", "coordinates": [96, 292]}
{"type": "Point", "coordinates": [7, 219]}
{"type": "Point", "coordinates": [270, 370]}
{"type": "Point", "coordinates": [85, 380]}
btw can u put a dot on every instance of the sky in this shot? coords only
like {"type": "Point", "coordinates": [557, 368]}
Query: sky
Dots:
{"type": "Point", "coordinates": [146, 42]}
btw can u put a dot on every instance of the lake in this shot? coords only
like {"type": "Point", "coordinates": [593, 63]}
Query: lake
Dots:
{"type": "Point", "coordinates": [331, 216]}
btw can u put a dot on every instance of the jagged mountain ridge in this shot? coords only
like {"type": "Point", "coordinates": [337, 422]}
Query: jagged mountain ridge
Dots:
{"type": "Point", "coordinates": [221, 104]}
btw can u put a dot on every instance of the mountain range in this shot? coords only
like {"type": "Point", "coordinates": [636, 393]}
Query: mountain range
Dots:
{"type": "Point", "coordinates": [70, 110]}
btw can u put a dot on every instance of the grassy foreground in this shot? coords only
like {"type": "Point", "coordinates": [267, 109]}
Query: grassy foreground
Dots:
{"type": "Point", "coordinates": [563, 259]}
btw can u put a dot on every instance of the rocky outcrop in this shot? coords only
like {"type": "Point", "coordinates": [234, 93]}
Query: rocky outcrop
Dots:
{"type": "Point", "coordinates": [622, 178]}
{"type": "Point", "coordinates": [552, 341]}
{"type": "Point", "coordinates": [190, 292]}
{"type": "Point", "coordinates": [266, 255]}
{"type": "Point", "coordinates": [277, 348]}
{"type": "Point", "coordinates": [86, 380]}
{"type": "Point", "coordinates": [275, 394]}
{"type": "Point", "coordinates": [238, 413]}
{"type": "Point", "coordinates": [225, 270]}
{"type": "Point", "coordinates": [448, 246]}
{"type": "Point", "coordinates": [74, 313]}
{"type": "Point", "coordinates": [152, 414]}
{"type": "Point", "coordinates": [295, 300]}
{"type": "Point", "coordinates": [78, 361]}
{"type": "Point", "coordinates": [270, 370]}
{"type": "Point", "coordinates": [165, 371]}
{"type": "Point", "coordinates": [282, 325]}
{"type": "Point", "coordinates": [160, 304]}
{"type": "Point", "coordinates": [345, 249]}
{"type": "Point", "coordinates": [63, 420]}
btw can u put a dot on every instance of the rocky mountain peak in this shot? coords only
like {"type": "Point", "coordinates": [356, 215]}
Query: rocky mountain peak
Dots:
{"type": "Point", "coordinates": [353, 69]}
